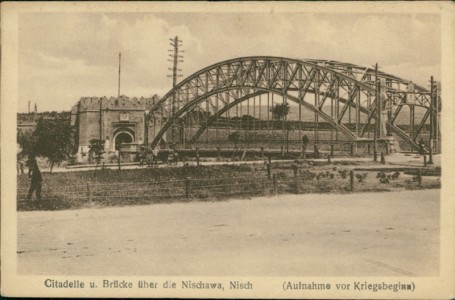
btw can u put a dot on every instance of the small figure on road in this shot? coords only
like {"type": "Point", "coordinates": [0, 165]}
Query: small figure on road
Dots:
{"type": "Point", "coordinates": [142, 154]}
{"type": "Point", "coordinates": [155, 153]}
{"type": "Point", "coordinates": [305, 141]}
{"type": "Point", "coordinates": [316, 151]}
{"type": "Point", "coordinates": [421, 147]}
{"type": "Point", "coordinates": [37, 180]}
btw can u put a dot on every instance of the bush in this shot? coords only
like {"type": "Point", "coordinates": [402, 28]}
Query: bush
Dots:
{"type": "Point", "coordinates": [361, 177]}
{"type": "Point", "coordinates": [343, 173]}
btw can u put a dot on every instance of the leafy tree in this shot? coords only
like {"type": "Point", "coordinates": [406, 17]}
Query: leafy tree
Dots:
{"type": "Point", "coordinates": [51, 139]}
{"type": "Point", "coordinates": [26, 141]}
{"type": "Point", "coordinates": [234, 137]}
{"type": "Point", "coordinates": [96, 150]}
{"type": "Point", "coordinates": [248, 118]}
{"type": "Point", "coordinates": [279, 111]}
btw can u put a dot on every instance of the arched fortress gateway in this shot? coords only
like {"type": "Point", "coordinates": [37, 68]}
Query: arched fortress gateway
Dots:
{"type": "Point", "coordinates": [115, 121]}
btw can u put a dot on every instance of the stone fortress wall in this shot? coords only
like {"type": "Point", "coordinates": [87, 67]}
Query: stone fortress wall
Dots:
{"type": "Point", "coordinates": [112, 120]}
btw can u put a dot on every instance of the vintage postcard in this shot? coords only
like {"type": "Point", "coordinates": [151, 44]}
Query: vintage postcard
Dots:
{"type": "Point", "coordinates": [228, 150]}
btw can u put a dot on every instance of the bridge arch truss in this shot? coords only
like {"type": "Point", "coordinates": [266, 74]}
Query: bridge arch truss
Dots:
{"type": "Point", "coordinates": [328, 89]}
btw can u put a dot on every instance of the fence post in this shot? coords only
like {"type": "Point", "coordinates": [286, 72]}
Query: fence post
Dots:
{"type": "Point", "coordinates": [352, 149]}
{"type": "Point", "coordinates": [197, 156]}
{"type": "Point", "coordinates": [219, 153]}
{"type": "Point", "coordinates": [118, 160]}
{"type": "Point", "coordinates": [269, 168]}
{"type": "Point", "coordinates": [430, 161]}
{"type": "Point", "coordinates": [419, 177]}
{"type": "Point", "coordinates": [382, 158]}
{"type": "Point", "coordinates": [89, 191]}
{"type": "Point", "coordinates": [351, 179]}
{"type": "Point", "coordinates": [297, 181]}
{"type": "Point", "coordinates": [331, 149]}
{"type": "Point", "coordinates": [282, 151]}
{"type": "Point", "coordinates": [328, 159]}
{"type": "Point", "coordinates": [424, 160]}
{"type": "Point", "coordinates": [275, 184]}
{"type": "Point", "coordinates": [262, 151]}
{"type": "Point", "coordinates": [187, 186]}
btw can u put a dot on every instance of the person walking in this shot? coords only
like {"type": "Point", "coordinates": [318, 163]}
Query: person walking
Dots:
{"type": "Point", "coordinates": [37, 179]}
{"type": "Point", "coordinates": [305, 141]}
{"type": "Point", "coordinates": [421, 147]}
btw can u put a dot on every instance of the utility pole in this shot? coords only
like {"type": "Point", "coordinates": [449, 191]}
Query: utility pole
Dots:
{"type": "Point", "coordinates": [176, 58]}
{"type": "Point", "coordinates": [35, 114]}
{"type": "Point", "coordinates": [119, 65]}
{"type": "Point", "coordinates": [436, 115]}
{"type": "Point", "coordinates": [375, 136]}
{"type": "Point", "coordinates": [431, 119]}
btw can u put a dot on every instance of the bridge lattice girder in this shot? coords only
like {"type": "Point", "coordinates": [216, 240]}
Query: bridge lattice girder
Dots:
{"type": "Point", "coordinates": [307, 82]}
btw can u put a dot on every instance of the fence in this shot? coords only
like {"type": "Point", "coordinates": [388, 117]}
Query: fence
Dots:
{"type": "Point", "coordinates": [281, 179]}
{"type": "Point", "coordinates": [170, 189]}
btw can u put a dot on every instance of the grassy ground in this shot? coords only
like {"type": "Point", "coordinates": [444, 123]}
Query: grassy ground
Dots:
{"type": "Point", "coordinates": [208, 183]}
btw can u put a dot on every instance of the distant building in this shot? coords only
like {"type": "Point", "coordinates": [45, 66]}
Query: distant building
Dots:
{"type": "Point", "coordinates": [26, 122]}
{"type": "Point", "coordinates": [115, 121]}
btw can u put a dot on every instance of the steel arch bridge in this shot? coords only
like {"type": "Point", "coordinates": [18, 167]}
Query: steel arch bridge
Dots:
{"type": "Point", "coordinates": [329, 89]}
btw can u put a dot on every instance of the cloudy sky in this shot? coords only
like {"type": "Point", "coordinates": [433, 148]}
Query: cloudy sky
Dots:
{"type": "Point", "coordinates": [65, 56]}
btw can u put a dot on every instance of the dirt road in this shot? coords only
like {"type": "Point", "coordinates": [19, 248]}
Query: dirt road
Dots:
{"type": "Point", "coordinates": [390, 234]}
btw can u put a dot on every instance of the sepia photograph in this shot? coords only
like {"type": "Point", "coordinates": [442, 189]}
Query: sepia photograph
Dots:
{"type": "Point", "coordinates": [276, 150]}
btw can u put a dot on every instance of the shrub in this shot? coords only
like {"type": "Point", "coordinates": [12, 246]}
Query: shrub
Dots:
{"type": "Point", "coordinates": [343, 173]}
{"type": "Point", "coordinates": [380, 174]}
{"type": "Point", "coordinates": [396, 175]}
{"type": "Point", "coordinates": [361, 177]}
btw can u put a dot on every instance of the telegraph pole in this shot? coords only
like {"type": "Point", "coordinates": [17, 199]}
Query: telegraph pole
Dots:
{"type": "Point", "coordinates": [431, 119]}
{"type": "Point", "coordinates": [119, 65]}
{"type": "Point", "coordinates": [176, 58]}
{"type": "Point", "coordinates": [375, 136]}
{"type": "Point", "coordinates": [436, 121]}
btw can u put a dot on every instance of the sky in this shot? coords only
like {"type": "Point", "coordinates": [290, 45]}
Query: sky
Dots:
{"type": "Point", "coordinates": [66, 56]}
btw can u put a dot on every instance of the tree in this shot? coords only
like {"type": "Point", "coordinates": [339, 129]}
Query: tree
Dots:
{"type": "Point", "coordinates": [51, 139]}
{"type": "Point", "coordinates": [280, 111]}
{"type": "Point", "coordinates": [26, 141]}
{"type": "Point", "coordinates": [96, 150]}
{"type": "Point", "coordinates": [234, 137]}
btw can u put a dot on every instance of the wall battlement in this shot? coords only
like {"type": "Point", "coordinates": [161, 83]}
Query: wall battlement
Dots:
{"type": "Point", "coordinates": [114, 103]}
